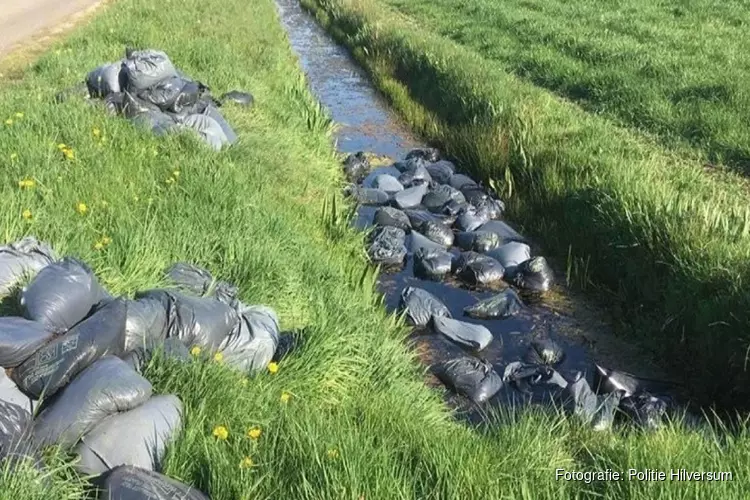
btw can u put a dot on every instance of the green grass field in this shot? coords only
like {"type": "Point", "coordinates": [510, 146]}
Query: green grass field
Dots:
{"type": "Point", "coordinates": [359, 423]}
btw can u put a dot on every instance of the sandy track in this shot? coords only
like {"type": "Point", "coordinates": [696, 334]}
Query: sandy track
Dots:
{"type": "Point", "coordinates": [20, 20]}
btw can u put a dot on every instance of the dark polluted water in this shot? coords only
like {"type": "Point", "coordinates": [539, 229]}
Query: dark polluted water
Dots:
{"type": "Point", "coordinates": [367, 124]}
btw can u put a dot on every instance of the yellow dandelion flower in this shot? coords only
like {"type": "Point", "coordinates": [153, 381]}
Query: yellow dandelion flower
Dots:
{"type": "Point", "coordinates": [273, 367]}
{"type": "Point", "coordinates": [219, 357]}
{"type": "Point", "coordinates": [9, 122]}
{"type": "Point", "coordinates": [13, 156]}
{"type": "Point", "coordinates": [26, 214]}
{"type": "Point", "coordinates": [333, 453]}
{"type": "Point", "coordinates": [221, 433]}
{"type": "Point", "coordinates": [169, 180]}
{"type": "Point", "coordinates": [285, 397]}
{"type": "Point", "coordinates": [106, 240]}
{"type": "Point", "coordinates": [96, 132]}
{"type": "Point", "coordinates": [195, 350]}
{"type": "Point", "coordinates": [69, 153]}
{"type": "Point", "coordinates": [26, 183]}
{"type": "Point", "coordinates": [246, 463]}
{"type": "Point", "coordinates": [19, 115]}
{"type": "Point", "coordinates": [98, 245]}
{"type": "Point", "coordinates": [176, 174]}
{"type": "Point", "coordinates": [81, 208]}
{"type": "Point", "coordinates": [254, 433]}
{"type": "Point", "coordinates": [62, 146]}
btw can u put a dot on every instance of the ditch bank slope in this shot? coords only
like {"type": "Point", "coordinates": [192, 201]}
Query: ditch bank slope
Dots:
{"type": "Point", "coordinates": [665, 244]}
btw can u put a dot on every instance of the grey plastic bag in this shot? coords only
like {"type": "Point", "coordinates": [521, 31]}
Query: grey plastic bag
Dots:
{"type": "Point", "coordinates": [16, 434]}
{"type": "Point", "coordinates": [215, 114]}
{"type": "Point", "coordinates": [10, 392]}
{"type": "Point", "coordinates": [503, 230]}
{"type": "Point", "coordinates": [432, 264]}
{"type": "Point", "coordinates": [503, 305]}
{"type": "Point", "coordinates": [106, 79]}
{"type": "Point", "coordinates": [387, 183]}
{"type": "Point", "coordinates": [155, 121]}
{"type": "Point", "coordinates": [606, 381]}
{"type": "Point", "coordinates": [255, 344]}
{"type": "Point", "coordinates": [208, 129]}
{"type": "Point", "coordinates": [410, 198]}
{"type": "Point", "coordinates": [511, 255]}
{"type": "Point", "coordinates": [441, 171]}
{"type": "Point", "coordinates": [475, 337]}
{"type": "Point", "coordinates": [480, 269]}
{"type": "Point", "coordinates": [439, 196]}
{"type": "Point", "coordinates": [106, 387]}
{"type": "Point", "coordinates": [535, 274]}
{"type": "Point", "coordinates": [132, 483]}
{"type": "Point", "coordinates": [367, 196]}
{"type": "Point", "coordinates": [55, 364]}
{"type": "Point", "coordinates": [147, 68]}
{"type": "Point", "coordinates": [471, 377]}
{"type": "Point", "coordinates": [477, 241]}
{"type": "Point", "coordinates": [389, 216]}
{"type": "Point", "coordinates": [21, 259]}
{"type": "Point", "coordinates": [387, 246]}
{"type": "Point", "coordinates": [238, 97]}
{"type": "Point", "coordinates": [421, 306]}
{"type": "Point", "coordinates": [418, 241]}
{"type": "Point", "coordinates": [599, 411]}
{"type": "Point", "coordinates": [146, 324]}
{"type": "Point", "coordinates": [136, 437]}
{"type": "Point", "coordinates": [461, 181]}
{"type": "Point", "coordinates": [19, 340]}
{"type": "Point", "coordinates": [61, 295]}
{"type": "Point", "coordinates": [436, 232]}
{"type": "Point", "coordinates": [545, 352]}
{"type": "Point", "coordinates": [470, 219]}
{"type": "Point", "coordinates": [200, 281]}
{"type": "Point", "coordinates": [356, 167]}
{"type": "Point", "coordinates": [427, 154]}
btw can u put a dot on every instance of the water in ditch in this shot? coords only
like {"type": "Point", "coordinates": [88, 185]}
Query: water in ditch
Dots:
{"type": "Point", "coordinates": [367, 124]}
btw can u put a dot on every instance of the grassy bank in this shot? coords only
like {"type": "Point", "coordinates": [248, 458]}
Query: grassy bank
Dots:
{"type": "Point", "coordinates": [673, 70]}
{"type": "Point", "coordinates": [668, 243]}
{"type": "Point", "coordinates": [359, 422]}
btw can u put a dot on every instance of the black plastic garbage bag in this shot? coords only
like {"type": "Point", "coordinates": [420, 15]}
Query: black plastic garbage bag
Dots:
{"type": "Point", "coordinates": [644, 409]}
{"type": "Point", "coordinates": [136, 437]}
{"type": "Point", "coordinates": [132, 483]}
{"type": "Point", "coordinates": [490, 208]}
{"type": "Point", "coordinates": [477, 241]}
{"type": "Point", "coordinates": [545, 352]}
{"type": "Point", "coordinates": [146, 324]}
{"type": "Point", "coordinates": [22, 259]}
{"type": "Point", "coordinates": [114, 103]}
{"type": "Point", "coordinates": [427, 154]}
{"type": "Point", "coordinates": [436, 232]}
{"type": "Point", "coordinates": [201, 321]}
{"type": "Point", "coordinates": [598, 411]}
{"type": "Point", "coordinates": [254, 346]}
{"type": "Point", "coordinates": [441, 171]}
{"type": "Point", "coordinates": [214, 113]}
{"type": "Point", "coordinates": [61, 295]}
{"type": "Point", "coordinates": [16, 431]}
{"type": "Point", "coordinates": [477, 269]}
{"type": "Point", "coordinates": [288, 343]}
{"type": "Point", "coordinates": [415, 176]}
{"type": "Point", "coordinates": [439, 196]}
{"type": "Point", "coordinates": [10, 392]}
{"type": "Point", "coordinates": [524, 376]}
{"type": "Point", "coordinates": [503, 230]}
{"type": "Point", "coordinates": [410, 198]}
{"type": "Point", "coordinates": [606, 381]}
{"type": "Point", "coordinates": [197, 280]}
{"type": "Point", "coordinates": [418, 241]}
{"type": "Point", "coordinates": [156, 122]}
{"type": "Point", "coordinates": [503, 305]}
{"type": "Point", "coordinates": [387, 183]}
{"type": "Point", "coordinates": [432, 264]}
{"type": "Point", "coordinates": [55, 364]}
{"type": "Point", "coordinates": [474, 194]}
{"type": "Point", "coordinates": [461, 181]}
{"type": "Point", "coordinates": [511, 255]}
{"type": "Point", "coordinates": [106, 79]}
{"type": "Point", "coordinates": [470, 219]}
{"type": "Point", "coordinates": [419, 217]}
{"type": "Point", "coordinates": [208, 129]}
{"type": "Point", "coordinates": [106, 387]}
{"type": "Point", "coordinates": [372, 175]}
{"type": "Point", "coordinates": [470, 377]}
{"type": "Point", "coordinates": [393, 217]}
{"type": "Point", "coordinates": [147, 68]}
{"type": "Point", "coordinates": [356, 167]}
{"type": "Point", "coordinates": [475, 337]}
{"type": "Point", "coordinates": [421, 306]}
{"type": "Point", "coordinates": [238, 97]}
{"type": "Point", "coordinates": [132, 106]}
{"type": "Point", "coordinates": [367, 196]}
{"type": "Point", "coordinates": [388, 246]}
{"type": "Point", "coordinates": [19, 340]}
{"type": "Point", "coordinates": [139, 358]}
{"type": "Point", "coordinates": [453, 208]}
{"type": "Point", "coordinates": [165, 93]}
{"type": "Point", "coordinates": [534, 274]}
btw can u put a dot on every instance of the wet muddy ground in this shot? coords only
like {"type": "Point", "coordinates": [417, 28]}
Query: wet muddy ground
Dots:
{"type": "Point", "coordinates": [367, 124]}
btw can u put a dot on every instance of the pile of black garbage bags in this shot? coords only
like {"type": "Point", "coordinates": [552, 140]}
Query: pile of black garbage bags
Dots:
{"type": "Point", "coordinates": [74, 358]}
{"type": "Point", "coordinates": [451, 226]}
{"type": "Point", "coordinates": [146, 88]}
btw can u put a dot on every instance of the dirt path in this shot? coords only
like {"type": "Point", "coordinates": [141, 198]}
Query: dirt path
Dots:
{"type": "Point", "coordinates": [20, 20]}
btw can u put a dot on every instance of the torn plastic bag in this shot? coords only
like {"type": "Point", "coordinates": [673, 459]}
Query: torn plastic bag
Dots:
{"type": "Point", "coordinates": [439, 196]}
{"type": "Point", "coordinates": [10, 392]}
{"type": "Point", "coordinates": [367, 196]}
{"type": "Point", "coordinates": [22, 259]}
{"type": "Point", "coordinates": [469, 219]}
{"type": "Point", "coordinates": [139, 358]}
{"type": "Point", "coordinates": [213, 113]}
{"type": "Point", "coordinates": [480, 270]}
{"type": "Point", "coordinates": [490, 208]}
{"type": "Point", "coordinates": [436, 232]}
{"type": "Point", "coordinates": [410, 198]}
{"type": "Point", "coordinates": [208, 129]}
{"type": "Point", "coordinates": [503, 230]}
{"type": "Point", "coordinates": [356, 167]}
{"type": "Point", "coordinates": [114, 103]}
{"type": "Point", "coordinates": [545, 352]}
{"type": "Point", "coordinates": [106, 79]}
{"type": "Point", "coordinates": [475, 337]}
{"type": "Point", "coordinates": [136, 437]}
{"type": "Point", "coordinates": [146, 323]}
{"type": "Point", "coordinates": [441, 171]}
{"type": "Point", "coordinates": [534, 274]}
{"type": "Point", "coordinates": [147, 68]}
{"type": "Point", "coordinates": [288, 343]}
{"type": "Point", "coordinates": [55, 364]}
{"type": "Point", "coordinates": [503, 305]}
{"type": "Point", "coordinates": [421, 306]}
{"type": "Point", "coordinates": [461, 181]}
{"type": "Point", "coordinates": [599, 411]}
{"type": "Point", "coordinates": [238, 97]}
{"type": "Point", "coordinates": [415, 176]}
{"type": "Point", "coordinates": [478, 241]}
{"type": "Point", "coordinates": [511, 255]}
{"type": "Point", "coordinates": [19, 340]}
{"type": "Point", "coordinates": [106, 387]}
{"type": "Point", "coordinates": [393, 217]}
{"type": "Point", "coordinates": [644, 409]}
{"type": "Point", "coordinates": [418, 241]}
{"type": "Point", "coordinates": [16, 431]}
{"type": "Point", "coordinates": [432, 264]}
{"type": "Point", "coordinates": [200, 281]}
{"type": "Point", "coordinates": [431, 155]}
{"type": "Point", "coordinates": [470, 377]}
{"type": "Point", "coordinates": [388, 246]}
{"type": "Point", "coordinates": [387, 183]}
{"type": "Point", "coordinates": [156, 122]}
{"type": "Point", "coordinates": [61, 295]}
{"type": "Point", "coordinates": [202, 321]}
{"type": "Point", "coordinates": [606, 381]}
{"type": "Point", "coordinates": [532, 380]}
{"type": "Point", "coordinates": [254, 346]}
{"type": "Point", "coordinates": [132, 483]}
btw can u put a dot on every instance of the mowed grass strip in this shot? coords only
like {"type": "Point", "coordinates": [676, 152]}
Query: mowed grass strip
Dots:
{"type": "Point", "coordinates": [666, 244]}
{"type": "Point", "coordinates": [673, 69]}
